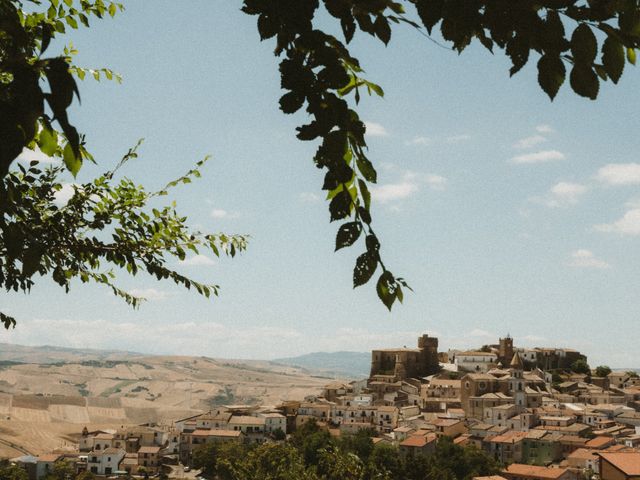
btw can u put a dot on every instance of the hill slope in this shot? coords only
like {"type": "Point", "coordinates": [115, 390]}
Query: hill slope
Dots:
{"type": "Point", "coordinates": [337, 364]}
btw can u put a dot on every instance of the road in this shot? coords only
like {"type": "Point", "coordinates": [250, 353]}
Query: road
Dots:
{"type": "Point", "coordinates": [177, 472]}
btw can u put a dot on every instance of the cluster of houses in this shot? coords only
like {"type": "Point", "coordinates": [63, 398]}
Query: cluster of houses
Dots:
{"type": "Point", "coordinates": [511, 403]}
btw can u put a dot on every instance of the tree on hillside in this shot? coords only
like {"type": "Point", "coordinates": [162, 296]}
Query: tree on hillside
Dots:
{"type": "Point", "coordinates": [62, 470]}
{"type": "Point", "coordinates": [12, 472]}
{"type": "Point", "coordinates": [581, 366]}
{"type": "Point", "coordinates": [585, 40]}
{"type": "Point", "coordinates": [602, 371]}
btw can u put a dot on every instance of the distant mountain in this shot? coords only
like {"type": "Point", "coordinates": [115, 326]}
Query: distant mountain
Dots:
{"type": "Point", "coordinates": [50, 354]}
{"type": "Point", "coordinates": [337, 364]}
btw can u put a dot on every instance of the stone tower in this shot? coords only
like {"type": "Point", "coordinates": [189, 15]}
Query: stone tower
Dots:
{"type": "Point", "coordinates": [517, 384]}
{"type": "Point", "coordinates": [428, 347]}
{"type": "Point", "coordinates": [505, 350]}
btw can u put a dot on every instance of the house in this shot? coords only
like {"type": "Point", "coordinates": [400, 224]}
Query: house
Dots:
{"type": "Point", "coordinates": [540, 447]}
{"type": "Point", "coordinates": [449, 427]}
{"type": "Point", "coordinates": [473, 361]}
{"type": "Point", "coordinates": [619, 465]}
{"type": "Point", "coordinates": [507, 447]}
{"type": "Point", "coordinates": [519, 471]}
{"type": "Point", "coordinates": [149, 458]}
{"type": "Point", "coordinates": [45, 464]}
{"type": "Point", "coordinates": [584, 459]}
{"type": "Point", "coordinates": [418, 445]}
{"type": "Point", "coordinates": [105, 462]}
{"type": "Point", "coordinates": [273, 422]}
{"type": "Point", "coordinates": [252, 427]}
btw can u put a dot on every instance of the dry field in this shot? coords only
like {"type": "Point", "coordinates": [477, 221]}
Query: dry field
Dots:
{"type": "Point", "coordinates": [42, 405]}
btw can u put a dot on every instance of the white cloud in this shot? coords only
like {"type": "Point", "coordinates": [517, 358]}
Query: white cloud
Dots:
{"type": "Point", "coordinates": [394, 191]}
{"type": "Point", "coordinates": [586, 259]}
{"type": "Point", "coordinates": [410, 184]}
{"type": "Point", "coordinates": [629, 224]}
{"type": "Point", "coordinates": [419, 140]}
{"type": "Point", "coordinates": [309, 197]}
{"type": "Point", "coordinates": [376, 130]}
{"type": "Point", "coordinates": [198, 261]}
{"type": "Point", "coordinates": [458, 138]}
{"type": "Point", "coordinates": [545, 129]}
{"type": "Point", "coordinates": [538, 157]}
{"type": "Point", "coordinates": [150, 294]}
{"type": "Point", "coordinates": [436, 182]}
{"type": "Point", "coordinates": [563, 194]}
{"type": "Point", "coordinates": [620, 174]}
{"type": "Point", "coordinates": [529, 142]}
{"type": "Point", "coordinates": [35, 155]}
{"type": "Point", "coordinates": [62, 196]}
{"type": "Point", "coordinates": [220, 213]}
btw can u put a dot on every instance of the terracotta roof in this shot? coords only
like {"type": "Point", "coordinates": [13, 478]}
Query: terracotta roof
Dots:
{"type": "Point", "coordinates": [599, 442]}
{"type": "Point", "coordinates": [112, 451]}
{"type": "Point", "coordinates": [534, 471]}
{"type": "Point", "coordinates": [49, 457]}
{"type": "Point", "coordinates": [148, 449]}
{"type": "Point", "coordinates": [246, 420]}
{"type": "Point", "coordinates": [627, 462]}
{"type": "Point", "coordinates": [473, 353]}
{"type": "Point", "coordinates": [417, 441]}
{"type": "Point", "coordinates": [583, 454]}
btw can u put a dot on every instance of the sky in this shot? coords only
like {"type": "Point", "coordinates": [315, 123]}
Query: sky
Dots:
{"type": "Point", "coordinates": [506, 213]}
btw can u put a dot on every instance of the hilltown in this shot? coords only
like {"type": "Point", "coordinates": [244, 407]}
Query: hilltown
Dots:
{"type": "Point", "coordinates": [541, 412]}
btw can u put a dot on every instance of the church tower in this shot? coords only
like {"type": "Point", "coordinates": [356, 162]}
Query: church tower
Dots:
{"type": "Point", "coordinates": [516, 382]}
{"type": "Point", "coordinates": [505, 350]}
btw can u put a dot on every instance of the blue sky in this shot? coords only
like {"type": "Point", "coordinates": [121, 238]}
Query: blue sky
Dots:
{"type": "Point", "coordinates": [506, 213]}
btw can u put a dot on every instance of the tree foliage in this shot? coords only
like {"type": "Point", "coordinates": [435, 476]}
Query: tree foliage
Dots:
{"type": "Point", "coordinates": [107, 224]}
{"type": "Point", "coordinates": [349, 457]}
{"type": "Point", "coordinates": [588, 41]}
{"type": "Point", "coordinates": [581, 366]}
{"type": "Point", "coordinates": [12, 472]}
{"type": "Point", "coordinates": [602, 370]}
{"type": "Point", "coordinates": [320, 73]}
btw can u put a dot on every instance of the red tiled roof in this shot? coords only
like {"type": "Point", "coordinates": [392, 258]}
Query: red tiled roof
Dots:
{"type": "Point", "coordinates": [627, 462]}
{"type": "Point", "coordinates": [533, 471]}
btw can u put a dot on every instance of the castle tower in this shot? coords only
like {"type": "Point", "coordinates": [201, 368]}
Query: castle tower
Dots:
{"type": "Point", "coordinates": [400, 370]}
{"type": "Point", "coordinates": [505, 350]}
{"type": "Point", "coordinates": [428, 347]}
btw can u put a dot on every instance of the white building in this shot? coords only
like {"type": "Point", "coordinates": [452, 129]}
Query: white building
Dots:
{"type": "Point", "coordinates": [274, 421]}
{"type": "Point", "coordinates": [479, 362]}
{"type": "Point", "coordinates": [105, 462]}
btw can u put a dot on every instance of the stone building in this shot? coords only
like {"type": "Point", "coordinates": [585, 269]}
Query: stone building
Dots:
{"type": "Point", "coordinates": [401, 363]}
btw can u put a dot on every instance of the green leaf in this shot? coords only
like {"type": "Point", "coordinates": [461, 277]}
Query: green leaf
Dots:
{"type": "Point", "coordinates": [386, 289]}
{"type": "Point", "coordinates": [340, 205]}
{"type": "Point", "coordinates": [31, 261]}
{"type": "Point", "coordinates": [631, 55]}
{"type": "Point", "coordinates": [347, 234]}
{"type": "Point", "coordinates": [364, 191]}
{"type": "Point", "coordinates": [382, 29]}
{"type": "Point", "coordinates": [48, 141]}
{"type": "Point", "coordinates": [584, 45]}
{"type": "Point", "coordinates": [613, 58]}
{"type": "Point", "coordinates": [366, 168]}
{"type": "Point", "coordinates": [71, 160]}
{"type": "Point", "coordinates": [430, 12]}
{"type": "Point", "coordinates": [584, 81]}
{"type": "Point", "coordinates": [291, 102]}
{"type": "Point", "coordinates": [551, 74]}
{"type": "Point", "coordinates": [112, 9]}
{"type": "Point", "coordinates": [366, 265]}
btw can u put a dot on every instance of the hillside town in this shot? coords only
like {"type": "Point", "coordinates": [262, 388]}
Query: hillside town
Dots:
{"type": "Point", "coordinates": [542, 413]}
